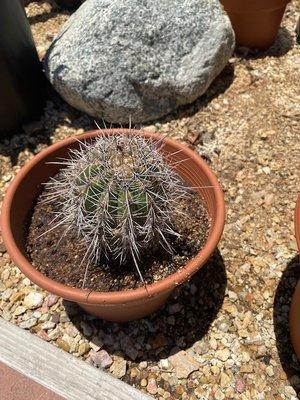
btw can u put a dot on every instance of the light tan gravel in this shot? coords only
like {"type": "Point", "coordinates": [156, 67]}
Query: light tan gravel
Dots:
{"type": "Point", "coordinates": [220, 325]}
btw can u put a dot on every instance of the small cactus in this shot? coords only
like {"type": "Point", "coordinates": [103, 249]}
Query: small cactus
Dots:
{"type": "Point", "coordinates": [120, 195]}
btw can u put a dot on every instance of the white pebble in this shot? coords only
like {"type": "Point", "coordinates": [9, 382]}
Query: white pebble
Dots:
{"type": "Point", "coordinates": [33, 300]}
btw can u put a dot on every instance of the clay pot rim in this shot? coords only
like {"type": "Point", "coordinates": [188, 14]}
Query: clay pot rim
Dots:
{"type": "Point", "coordinates": [243, 7]}
{"type": "Point", "coordinates": [116, 297]}
{"type": "Point", "coordinates": [297, 222]}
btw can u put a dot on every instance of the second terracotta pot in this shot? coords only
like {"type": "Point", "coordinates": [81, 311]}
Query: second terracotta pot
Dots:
{"type": "Point", "coordinates": [295, 304]}
{"type": "Point", "coordinates": [114, 306]}
{"type": "Point", "coordinates": [255, 22]}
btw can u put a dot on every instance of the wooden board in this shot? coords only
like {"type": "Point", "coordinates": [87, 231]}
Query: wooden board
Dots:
{"type": "Point", "coordinates": [59, 371]}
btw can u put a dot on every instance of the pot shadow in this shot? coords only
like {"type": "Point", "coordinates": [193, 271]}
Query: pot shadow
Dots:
{"type": "Point", "coordinates": [282, 302]}
{"type": "Point", "coordinates": [44, 17]}
{"type": "Point", "coordinates": [30, 136]}
{"type": "Point", "coordinates": [34, 136]}
{"type": "Point", "coordinates": [284, 42]}
{"type": "Point", "coordinates": [184, 319]}
{"type": "Point", "coordinates": [56, 11]}
{"type": "Point", "coordinates": [13, 145]}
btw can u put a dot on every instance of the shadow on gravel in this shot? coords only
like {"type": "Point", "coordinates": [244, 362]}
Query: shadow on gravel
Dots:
{"type": "Point", "coordinates": [185, 319]}
{"type": "Point", "coordinates": [283, 297]}
{"type": "Point", "coordinates": [32, 138]}
{"type": "Point", "coordinates": [36, 134]}
{"type": "Point", "coordinates": [44, 17]}
{"type": "Point", "coordinates": [59, 113]}
{"type": "Point", "coordinates": [218, 86]}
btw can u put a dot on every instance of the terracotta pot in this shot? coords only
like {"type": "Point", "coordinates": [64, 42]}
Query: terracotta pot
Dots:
{"type": "Point", "coordinates": [255, 22]}
{"type": "Point", "coordinates": [295, 304]}
{"type": "Point", "coordinates": [115, 306]}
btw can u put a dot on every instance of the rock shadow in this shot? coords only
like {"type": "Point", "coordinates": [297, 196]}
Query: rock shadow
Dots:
{"type": "Point", "coordinates": [184, 320]}
{"type": "Point", "coordinates": [218, 86]}
{"type": "Point", "coordinates": [282, 302]}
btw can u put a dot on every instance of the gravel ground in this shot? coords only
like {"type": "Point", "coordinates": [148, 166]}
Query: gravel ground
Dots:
{"type": "Point", "coordinates": [224, 335]}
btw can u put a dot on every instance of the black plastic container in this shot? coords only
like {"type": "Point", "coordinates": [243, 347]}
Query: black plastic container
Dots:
{"type": "Point", "coordinates": [22, 82]}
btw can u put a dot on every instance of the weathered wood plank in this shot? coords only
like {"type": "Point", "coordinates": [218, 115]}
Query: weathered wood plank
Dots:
{"type": "Point", "coordinates": [61, 372]}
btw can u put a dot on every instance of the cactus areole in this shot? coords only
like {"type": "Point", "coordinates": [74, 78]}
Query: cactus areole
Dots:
{"type": "Point", "coordinates": [118, 190]}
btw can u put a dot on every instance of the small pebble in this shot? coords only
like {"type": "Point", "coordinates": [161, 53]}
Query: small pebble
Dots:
{"type": "Point", "coordinates": [213, 344]}
{"type": "Point", "coordinates": [134, 372]}
{"type": "Point", "coordinates": [20, 310]}
{"type": "Point", "coordinates": [101, 358]}
{"type": "Point", "coordinates": [16, 297]}
{"type": "Point", "coordinates": [72, 331]}
{"type": "Point", "coordinates": [48, 325]}
{"type": "Point", "coordinates": [63, 344]}
{"type": "Point", "coordinates": [144, 382]}
{"type": "Point", "coordinates": [43, 335]}
{"type": "Point", "coordinates": [53, 335]}
{"type": "Point", "coordinates": [152, 386]}
{"type": "Point", "coordinates": [6, 294]}
{"type": "Point", "coordinates": [44, 317]}
{"type": "Point", "coordinates": [164, 363]}
{"type": "Point", "coordinates": [33, 300]}
{"type": "Point", "coordinates": [223, 355]}
{"type": "Point", "coordinates": [29, 323]}
{"type": "Point", "coordinates": [64, 317]}
{"type": "Point", "coordinates": [50, 300]}
{"type": "Point", "coordinates": [26, 282]}
{"type": "Point", "coordinates": [143, 365]}
{"type": "Point", "coordinates": [240, 385]}
{"type": "Point", "coordinates": [55, 318]}
{"type": "Point", "coordinates": [83, 348]}
{"type": "Point", "coordinates": [118, 368]}
{"type": "Point", "coordinates": [225, 380]}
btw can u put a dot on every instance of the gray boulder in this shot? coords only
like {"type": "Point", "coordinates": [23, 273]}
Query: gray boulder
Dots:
{"type": "Point", "coordinates": [140, 58]}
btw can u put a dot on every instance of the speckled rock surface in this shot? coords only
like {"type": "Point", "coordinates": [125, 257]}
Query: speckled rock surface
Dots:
{"type": "Point", "coordinates": [232, 317]}
{"type": "Point", "coordinates": [140, 58]}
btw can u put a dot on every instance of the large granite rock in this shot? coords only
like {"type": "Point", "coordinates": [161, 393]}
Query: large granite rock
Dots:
{"type": "Point", "coordinates": [140, 58]}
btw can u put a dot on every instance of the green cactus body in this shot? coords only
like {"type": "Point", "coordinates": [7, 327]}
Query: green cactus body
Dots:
{"type": "Point", "coordinates": [119, 194]}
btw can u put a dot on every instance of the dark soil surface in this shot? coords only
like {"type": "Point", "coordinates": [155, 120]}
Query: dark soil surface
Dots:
{"type": "Point", "coordinates": [59, 256]}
